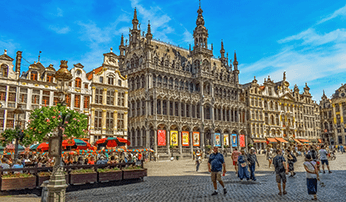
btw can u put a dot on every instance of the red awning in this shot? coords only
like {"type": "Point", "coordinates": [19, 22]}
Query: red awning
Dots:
{"type": "Point", "coordinates": [304, 140]}
{"type": "Point", "coordinates": [281, 140]}
{"type": "Point", "coordinates": [123, 140]}
{"type": "Point", "coordinates": [271, 140]}
{"type": "Point", "coordinates": [259, 141]}
{"type": "Point", "coordinates": [297, 141]}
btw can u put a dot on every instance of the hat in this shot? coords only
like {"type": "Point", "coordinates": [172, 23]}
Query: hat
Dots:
{"type": "Point", "coordinates": [252, 148]}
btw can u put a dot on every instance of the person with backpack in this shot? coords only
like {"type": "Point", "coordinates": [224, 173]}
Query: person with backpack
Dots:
{"type": "Point", "coordinates": [314, 155]}
{"type": "Point", "coordinates": [291, 160]}
{"type": "Point", "coordinates": [279, 163]}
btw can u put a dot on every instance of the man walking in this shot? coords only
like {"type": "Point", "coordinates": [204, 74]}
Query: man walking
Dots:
{"type": "Point", "coordinates": [323, 157]}
{"type": "Point", "coordinates": [217, 161]}
{"type": "Point", "coordinates": [279, 163]}
{"type": "Point", "coordinates": [252, 158]}
{"type": "Point", "coordinates": [198, 158]}
{"type": "Point", "coordinates": [235, 155]}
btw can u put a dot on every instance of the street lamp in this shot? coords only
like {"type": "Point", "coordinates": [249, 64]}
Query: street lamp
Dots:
{"type": "Point", "coordinates": [20, 134]}
{"type": "Point", "coordinates": [57, 183]}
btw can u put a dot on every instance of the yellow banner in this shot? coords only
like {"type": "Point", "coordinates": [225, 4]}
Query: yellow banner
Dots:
{"type": "Point", "coordinates": [174, 137]}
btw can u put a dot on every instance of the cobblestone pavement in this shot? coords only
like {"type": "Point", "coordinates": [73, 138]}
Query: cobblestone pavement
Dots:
{"type": "Point", "coordinates": [178, 181]}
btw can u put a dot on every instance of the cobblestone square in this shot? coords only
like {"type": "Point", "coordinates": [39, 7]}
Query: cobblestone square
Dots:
{"type": "Point", "coordinates": [178, 181]}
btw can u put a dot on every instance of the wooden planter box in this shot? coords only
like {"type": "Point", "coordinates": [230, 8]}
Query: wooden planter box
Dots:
{"type": "Point", "coordinates": [110, 176]}
{"type": "Point", "coordinates": [41, 179]}
{"type": "Point", "coordinates": [18, 183]}
{"type": "Point", "coordinates": [134, 173]}
{"type": "Point", "coordinates": [83, 178]}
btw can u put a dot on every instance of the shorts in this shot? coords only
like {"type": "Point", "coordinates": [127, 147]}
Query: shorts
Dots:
{"type": "Point", "coordinates": [281, 177]}
{"type": "Point", "coordinates": [215, 176]}
{"type": "Point", "coordinates": [324, 162]}
{"type": "Point", "coordinates": [235, 163]}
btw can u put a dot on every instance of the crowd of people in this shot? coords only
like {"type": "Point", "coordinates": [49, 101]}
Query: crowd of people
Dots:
{"type": "Point", "coordinates": [82, 157]}
{"type": "Point", "coordinates": [283, 161]}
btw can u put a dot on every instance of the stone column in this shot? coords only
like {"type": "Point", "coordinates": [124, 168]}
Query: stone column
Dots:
{"type": "Point", "coordinates": [92, 119]}
{"type": "Point", "coordinates": [221, 141]}
{"type": "Point", "coordinates": [93, 95]}
{"type": "Point", "coordinates": [161, 101]}
{"type": "Point", "coordinates": [116, 98]}
{"type": "Point", "coordinates": [191, 141]}
{"type": "Point", "coordinates": [103, 120]}
{"type": "Point", "coordinates": [104, 96]}
{"type": "Point", "coordinates": [141, 137]}
{"type": "Point", "coordinates": [168, 140]}
{"type": "Point", "coordinates": [125, 122]}
{"type": "Point", "coordinates": [155, 141]}
{"type": "Point", "coordinates": [212, 134]}
{"type": "Point", "coordinates": [115, 120]}
{"type": "Point", "coordinates": [335, 130]}
{"type": "Point", "coordinates": [126, 99]}
{"type": "Point", "coordinates": [180, 143]}
{"type": "Point", "coordinates": [202, 146]}
{"type": "Point", "coordinates": [147, 138]}
{"type": "Point", "coordinates": [168, 108]}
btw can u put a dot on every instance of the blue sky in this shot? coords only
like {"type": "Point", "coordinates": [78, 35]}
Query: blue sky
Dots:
{"type": "Point", "coordinates": [307, 39]}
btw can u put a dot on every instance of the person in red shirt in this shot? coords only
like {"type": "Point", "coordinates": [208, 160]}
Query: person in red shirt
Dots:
{"type": "Point", "coordinates": [235, 155]}
{"type": "Point", "coordinates": [91, 161]}
{"type": "Point", "coordinates": [140, 156]}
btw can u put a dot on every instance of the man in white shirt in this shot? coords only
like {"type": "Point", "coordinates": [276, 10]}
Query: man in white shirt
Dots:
{"type": "Point", "coordinates": [324, 159]}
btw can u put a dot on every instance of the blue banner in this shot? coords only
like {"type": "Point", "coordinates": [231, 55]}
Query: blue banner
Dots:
{"type": "Point", "coordinates": [234, 140]}
{"type": "Point", "coordinates": [217, 139]}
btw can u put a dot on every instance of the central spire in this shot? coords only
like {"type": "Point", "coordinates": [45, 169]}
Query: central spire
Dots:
{"type": "Point", "coordinates": [200, 34]}
{"type": "Point", "coordinates": [135, 20]}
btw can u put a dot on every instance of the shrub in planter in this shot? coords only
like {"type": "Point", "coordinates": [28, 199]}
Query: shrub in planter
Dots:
{"type": "Point", "coordinates": [17, 181]}
{"type": "Point", "coordinates": [83, 176]}
{"type": "Point", "coordinates": [109, 174]}
{"type": "Point", "coordinates": [43, 176]}
{"type": "Point", "coordinates": [134, 172]}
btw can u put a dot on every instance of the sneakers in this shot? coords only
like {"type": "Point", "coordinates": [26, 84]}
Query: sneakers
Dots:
{"type": "Point", "coordinates": [214, 193]}
{"type": "Point", "coordinates": [330, 171]}
{"type": "Point", "coordinates": [285, 192]}
{"type": "Point", "coordinates": [224, 191]}
{"type": "Point", "coordinates": [324, 172]}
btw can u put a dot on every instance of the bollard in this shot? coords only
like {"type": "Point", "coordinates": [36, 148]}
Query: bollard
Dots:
{"type": "Point", "coordinates": [44, 195]}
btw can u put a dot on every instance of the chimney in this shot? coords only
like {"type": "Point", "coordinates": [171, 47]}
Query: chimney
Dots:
{"type": "Point", "coordinates": [18, 61]}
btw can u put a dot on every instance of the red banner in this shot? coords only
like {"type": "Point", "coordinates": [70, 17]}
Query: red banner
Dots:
{"type": "Point", "coordinates": [161, 138]}
{"type": "Point", "coordinates": [242, 140]}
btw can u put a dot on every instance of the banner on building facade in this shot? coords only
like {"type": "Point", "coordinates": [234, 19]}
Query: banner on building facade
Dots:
{"type": "Point", "coordinates": [185, 138]}
{"type": "Point", "coordinates": [225, 139]}
{"type": "Point", "coordinates": [196, 139]}
{"type": "Point", "coordinates": [234, 140]}
{"type": "Point", "coordinates": [242, 140]}
{"type": "Point", "coordinates": [174, 137]}
{"type": "Point", "coordinates": [217, 139]}
{"type": "Point", "coordinates": [161, 138]}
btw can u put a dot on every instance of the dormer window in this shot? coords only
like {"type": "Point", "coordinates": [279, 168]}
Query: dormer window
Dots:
{"type": "Point", "coordinates": [4, 70]}
{"type": "Point", "coordinates": [33, 76]}
{"type": "Point", "coordinates": [50, 78]}
{"type": "Point", "coordinates": [110, 80]}
{"type": "Point", "coordinates": [101, 79]}
{"type": "Point", "coordinates": [79, 72]}
{"type": "Point", "coordinates": [119, 82]}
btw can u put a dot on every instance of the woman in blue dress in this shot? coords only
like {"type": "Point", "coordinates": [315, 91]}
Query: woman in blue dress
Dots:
{"type": "Point", "coordinates": [242, 166]}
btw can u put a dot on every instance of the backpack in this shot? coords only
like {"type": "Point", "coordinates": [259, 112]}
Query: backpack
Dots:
{"type": "Point", "coordinates": [294, 158]}
{"type": "Point", "coordinates": [279, 164]}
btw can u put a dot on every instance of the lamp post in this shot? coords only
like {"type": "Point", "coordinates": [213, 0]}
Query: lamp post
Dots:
{"type": "Point", "coordinates": [20, 134]}
{"type": "Point", "coordinates": [57, 183]}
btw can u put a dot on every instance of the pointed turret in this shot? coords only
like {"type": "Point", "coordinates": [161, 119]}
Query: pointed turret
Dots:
{"type": "Point", "coordinates": [324, 95]}
{"type": "Point", "coordinates": [135, 20]}
{"type": "Point", "coordinates": [235, 63]}
{"type": "Point", "coordinates": [200, 34]}
{"type": "Point", "coordinates": [149, 36]}
{"type": "Point", "coordinates": [122, 49]}
{"type": "Point", "coordinates": [222, 52]}
{"type": "Point", "coordinates": [236, 71]}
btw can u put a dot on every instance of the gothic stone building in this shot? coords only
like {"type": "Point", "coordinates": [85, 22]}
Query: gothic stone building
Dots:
{"type": "Point", "coordinates": [279, 115]}
{"type": "Point", "coordinates": [333, 114]}
{"type": "Point", "coordinates": [182, 98]}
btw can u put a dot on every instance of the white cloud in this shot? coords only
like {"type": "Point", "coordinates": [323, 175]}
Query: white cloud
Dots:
{"type": "Point", "coordinates": [310, 36]}
{"type": "Point", "coordinates": [60, 12]}
{"type": "Point", "coordinates": [59, 30]}
{"type": "Point", "coordinates": [187, 37]}
{"type": "Point", "coordinates": [339, 12]}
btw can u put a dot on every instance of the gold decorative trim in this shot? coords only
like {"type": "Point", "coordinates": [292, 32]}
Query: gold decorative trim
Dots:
{"type": "Point", "coordinates": [93, 87]}
{"type": "Point", "coordinates": [126, 92]}
{"type": "Point", "coordinates": [116, 91]}
{"type": "Point", "coordinates": [105, 89]}
{"type": "Point", "coordinates": [125, 112]}
{"type": "Point", "coordinates": [122, 77]}
{"type": "Point", "coordinates": [36, 85]}
{"type": "Point", "coordinates": [115, 111]}
{"type": "Point", "coordinates": [103, 110]}
{"type": "Point", "coordinates": [23, 83]}
{"type": "Point", "coordinates": [125, 129]}
{"type": "Point", "coordinates": [92, 109]}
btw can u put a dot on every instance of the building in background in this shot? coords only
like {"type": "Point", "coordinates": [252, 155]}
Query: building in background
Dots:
{"type": "Point", "coordinates": [101, 94]}
{"type": "Point", "coordinates": [279, 115]}
{"type": "Point", "coordinates": [333, 114]}
{"type": "Point", "coordinates": [180, 98]}
{"type": "Point", "coordinates": [109, 100]}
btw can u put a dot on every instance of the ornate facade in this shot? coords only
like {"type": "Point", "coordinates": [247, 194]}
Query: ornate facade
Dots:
{"type": "Point", "coordinates": [282, 114]}
{"type": "Point", "coordinates": [36, 88]}
{"type": "Point", "coordinates": [109, 99]}
{"type": "Point", "coordinates": [333, 114]}
{"type": "Point", "coordinates": [101, 94]}
{"type": "Point", "coordinates": [186, 98]}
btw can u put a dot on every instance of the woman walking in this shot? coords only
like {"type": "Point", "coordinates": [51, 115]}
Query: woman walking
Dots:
{"type": "Point", "coordinates": [242, 169]}
{"type": "Point", "coordinates": [311, 175]}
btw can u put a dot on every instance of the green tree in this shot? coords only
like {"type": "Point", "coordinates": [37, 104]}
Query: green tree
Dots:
{"type": "Point", "coordinates": [44, 121]}
{"type": "Point", "coordinates": [11, 134]}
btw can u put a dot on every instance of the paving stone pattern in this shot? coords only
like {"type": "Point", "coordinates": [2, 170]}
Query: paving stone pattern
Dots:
{"type": "Point", "coordinates": [177, 181]}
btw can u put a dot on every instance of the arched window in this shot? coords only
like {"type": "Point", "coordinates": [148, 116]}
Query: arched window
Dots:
{"type": "Point", "coordinates": [33, 76]}
{"type": "Point", "coordinates": [4, 70]}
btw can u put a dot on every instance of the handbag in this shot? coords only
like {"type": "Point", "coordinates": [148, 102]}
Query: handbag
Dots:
{"type": "Point", "coordinates": [243, 165]}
